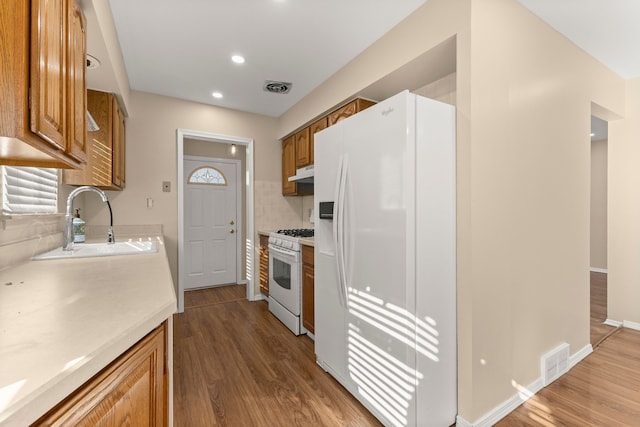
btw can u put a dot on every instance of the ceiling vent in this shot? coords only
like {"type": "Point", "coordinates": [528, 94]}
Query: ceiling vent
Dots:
{"type": "Point", "coordinates": [276, 87]}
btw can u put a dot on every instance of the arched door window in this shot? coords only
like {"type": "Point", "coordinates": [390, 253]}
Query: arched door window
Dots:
{"type": "Point", "coordinates": [208, 176]}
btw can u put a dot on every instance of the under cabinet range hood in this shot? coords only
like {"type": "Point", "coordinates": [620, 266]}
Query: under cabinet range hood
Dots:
{"type": "Point", "coordinates": [303, 175]}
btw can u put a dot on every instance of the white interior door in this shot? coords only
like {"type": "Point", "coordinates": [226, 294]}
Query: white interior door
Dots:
{"type": "Point", "coordinates": [210, 223]}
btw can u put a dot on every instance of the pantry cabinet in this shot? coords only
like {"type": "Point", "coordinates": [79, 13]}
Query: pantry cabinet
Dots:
{"type": "Point", "coordinates": [132, 390]}
{"type": "Point", "coordinates": [264, 264]}
{"type": "Point", "coordinates": [43, 85]}
{"type": "Point", "coordinates": [308, 289]}
{"type": "Point", "coordinates": [105, 166]}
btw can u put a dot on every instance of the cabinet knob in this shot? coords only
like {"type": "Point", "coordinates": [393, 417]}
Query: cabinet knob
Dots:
{"type": "Point", "coordinates": [232, 231]}
{"type": "Point", "coordinates": [232, 222]}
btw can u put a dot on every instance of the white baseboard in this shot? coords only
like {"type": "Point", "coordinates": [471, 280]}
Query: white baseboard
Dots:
{"type": "Point", "coordinates": [613, 323]}
{"type": "Point", "coordinates": [461, 422]}
{"type": "Point", "coordinates": [631, 325]}
{"type": "Point", "coordinates": [624, 324]}
{"type": "Point", "coordinates": [524, 394]}
{"type": "Point", "coordinates": [508, 406]}
{"type": "Point", "coordinates": [259, 297]}
{"type": "Point", "coordinates": [581, 354]}
{"type": "Point", "coordinates": [599, 270]}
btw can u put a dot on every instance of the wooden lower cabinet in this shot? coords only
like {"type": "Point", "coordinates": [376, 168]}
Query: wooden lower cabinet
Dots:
{"type": "Point", "coordinates": [132, 390]}
{"type": "Point", "coordinates": [308, 289]}
{"type": "Point", "coordinates": [264, 264]}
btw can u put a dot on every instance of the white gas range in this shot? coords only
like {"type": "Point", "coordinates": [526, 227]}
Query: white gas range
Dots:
{"type": "Point", "coordinates": [285, 276]}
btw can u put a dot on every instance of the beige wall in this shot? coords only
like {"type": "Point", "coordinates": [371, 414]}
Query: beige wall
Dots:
{"type": "Point", "coordinates": [152, 158]}
{"type": "Point", "coordinates": [598, 216]}
{"type": "Point", "coordinates": [524, 97]}
{"type": "Point", "coordinates": [624, 212]}
{"type": "Point", "coordinates": [530, 167]}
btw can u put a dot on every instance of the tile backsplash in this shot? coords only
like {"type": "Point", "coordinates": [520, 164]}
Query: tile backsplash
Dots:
{"type": "Point", "coordinates": [273, 212]}
{"type": "Point", "coordinates": [23, 236]}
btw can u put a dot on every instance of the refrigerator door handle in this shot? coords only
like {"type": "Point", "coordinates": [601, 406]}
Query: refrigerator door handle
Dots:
{"type": "Point", "coordinates": [339, 229]}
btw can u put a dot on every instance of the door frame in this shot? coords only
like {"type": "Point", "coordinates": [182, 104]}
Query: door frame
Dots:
{"type": "Point", "coordinates": [239, 221]}
{"type": "Point", "coordinates": [249, 214]}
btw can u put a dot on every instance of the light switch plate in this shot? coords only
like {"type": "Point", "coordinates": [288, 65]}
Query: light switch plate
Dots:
{"type": "Point", "coordinates": [166, 186]}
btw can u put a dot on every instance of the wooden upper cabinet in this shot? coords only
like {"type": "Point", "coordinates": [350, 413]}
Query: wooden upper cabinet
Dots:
{"type": "Point", "coordinates": [298, 149]}
{"type": "Point", "coordinates": [288, 166]}
{"type": "Point", "coordinates": [105, 166]}
{"type": "Point", "coordinates": [48, 86]}
{"type": "Point", "coordinates": [349, 109]}
{"type": "Point", "coordinates": [303, 151]}
{"type": "Point", "coordinates": [119, 145]}
{"type": "Point", "coordinates": [43, 83]}
{"type": "Point", "coordinates": [77, 62]}
{"type": "Point", "coordinates": [313, 129]}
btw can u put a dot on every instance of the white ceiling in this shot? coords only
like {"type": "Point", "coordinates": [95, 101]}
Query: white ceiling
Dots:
{"type": "Point", "coordinates": [182, 48]}
{"type": "Point", "coordinates": [608, 30]}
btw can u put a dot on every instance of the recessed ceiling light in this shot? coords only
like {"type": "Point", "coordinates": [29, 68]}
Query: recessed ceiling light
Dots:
{"type": "Point", "coordinates": [593, 134]}
{"type": "Point", "coordinates": [238, 59]}
{"type": "Point", "coordinates": [216, 95]}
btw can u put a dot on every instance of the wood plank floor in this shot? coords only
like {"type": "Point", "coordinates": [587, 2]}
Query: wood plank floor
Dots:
{"type": "Point", "coordinates": [603, 390]}
{"type": "Point", "coordinates": [235, 364]}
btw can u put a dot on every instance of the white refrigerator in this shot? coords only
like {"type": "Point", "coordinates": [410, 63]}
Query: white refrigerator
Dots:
{"type": "Point", "coordinates": [385, 259]}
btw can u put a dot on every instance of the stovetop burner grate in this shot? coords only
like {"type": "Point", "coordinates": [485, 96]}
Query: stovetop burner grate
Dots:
{"type": "Point", "coordinates": [297, 232]}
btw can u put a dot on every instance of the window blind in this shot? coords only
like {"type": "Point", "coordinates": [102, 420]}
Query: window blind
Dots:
{"type": "Point", "coordinates": [27, 190]}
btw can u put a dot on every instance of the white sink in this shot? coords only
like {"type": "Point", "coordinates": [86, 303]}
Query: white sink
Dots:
{"type": "Point", "coordinates": [86, 250]}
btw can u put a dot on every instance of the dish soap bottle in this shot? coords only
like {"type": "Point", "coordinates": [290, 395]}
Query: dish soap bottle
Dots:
{"type": "Point", "coordinates": [78, 228]}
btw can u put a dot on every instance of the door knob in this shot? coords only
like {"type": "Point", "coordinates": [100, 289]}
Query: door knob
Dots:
{"type": "Point", "coordinates": [232, 222]}
{"type": "Point", "coordinates": [232, 231]}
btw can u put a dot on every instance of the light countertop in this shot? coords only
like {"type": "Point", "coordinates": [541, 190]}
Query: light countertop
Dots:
{"type": "Point", "coordinates": [62, 321]}
{"type": "Point", "coordinates": [308, 241]}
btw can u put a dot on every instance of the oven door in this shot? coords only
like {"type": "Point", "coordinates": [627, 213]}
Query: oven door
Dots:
{"type": "Point", "coordinates": [285, 275]}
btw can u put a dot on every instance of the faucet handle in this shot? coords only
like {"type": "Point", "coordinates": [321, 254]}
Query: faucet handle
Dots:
{"type": "Point", "coordinates": [111, 238]}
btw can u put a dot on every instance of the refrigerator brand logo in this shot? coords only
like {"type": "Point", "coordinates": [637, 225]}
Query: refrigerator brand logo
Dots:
{"type": "Point", "coordinates": [387, 111]}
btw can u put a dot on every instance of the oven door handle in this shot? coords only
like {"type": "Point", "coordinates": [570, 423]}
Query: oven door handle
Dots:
{"type": "Point", "coordinates": [284, 252]}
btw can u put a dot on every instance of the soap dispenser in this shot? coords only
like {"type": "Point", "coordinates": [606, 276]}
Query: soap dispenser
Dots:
{"type": "Point", "coordinates": [78, 228]}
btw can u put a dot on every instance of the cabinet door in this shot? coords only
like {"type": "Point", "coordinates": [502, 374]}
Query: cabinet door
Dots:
{"type": "Point", "coordinates": [119, 138]}
{"type": "Point", "coordinates": [308, 310]}
{"type": "Point", "coordinates": [348, 110]}
{"type": "Point", "coordinates": [48, 65]}
{"type": "Point", "coordinates": [313, 129]}
{"type": "Point", "coordinates": [130, 391]}
{"type": "Point", "coordinates": [308, 289]}
{"type": "Point", "coordinates": [303, 152]}
{"type": "Point", "coordinates": [288, 166]}
{"type": "Point", "coordinates": [264, 264]}
{"type": "Point", "coordinates": [76, 147]}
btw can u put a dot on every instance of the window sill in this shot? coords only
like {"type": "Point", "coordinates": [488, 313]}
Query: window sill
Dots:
{"type": "Point", "coordinates": [18, 220]}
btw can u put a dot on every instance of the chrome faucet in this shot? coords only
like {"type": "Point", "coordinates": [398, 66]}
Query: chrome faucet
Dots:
{"type": "Point", "coordinates": [67, 237]}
